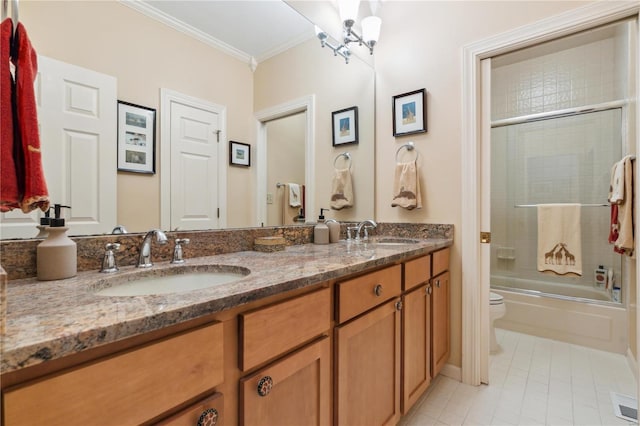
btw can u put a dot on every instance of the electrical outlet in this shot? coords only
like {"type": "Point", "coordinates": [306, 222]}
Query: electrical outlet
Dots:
{"type": "Point", "coordinates": [269, 198]}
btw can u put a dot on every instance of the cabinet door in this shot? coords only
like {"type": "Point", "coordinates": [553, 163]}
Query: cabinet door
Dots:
{"type": "Point", "coordinates": [293, 391]}
{"type": "Point", "coordinates": [368, 368]}
{"type": "Point", "coordinates": [416, 341]}
{"type": "Point", "coordinates": [440, 327]}
{"type": "Point", "coordinates": [207, 412]}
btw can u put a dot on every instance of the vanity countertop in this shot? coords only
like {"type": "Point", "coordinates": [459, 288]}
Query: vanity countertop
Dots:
{"type": "Point", "coordinates": [47, 320]}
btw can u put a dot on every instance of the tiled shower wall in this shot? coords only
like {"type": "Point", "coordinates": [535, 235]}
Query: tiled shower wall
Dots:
{"type": "Point", "coordinates": [563, 160]}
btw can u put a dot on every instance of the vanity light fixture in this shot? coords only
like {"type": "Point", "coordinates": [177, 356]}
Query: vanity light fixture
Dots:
{"type": "Point", "coordinates": [348, 10]}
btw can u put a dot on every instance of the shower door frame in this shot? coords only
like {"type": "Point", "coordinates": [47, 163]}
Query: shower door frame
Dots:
{"type": "Point", "coordinates": [476, 125]}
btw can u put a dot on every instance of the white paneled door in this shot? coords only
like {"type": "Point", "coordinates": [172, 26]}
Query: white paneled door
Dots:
{"type": "Point", "coordinates": [195, 139]}
{"type": "Point", "coordinates": [77, 120]}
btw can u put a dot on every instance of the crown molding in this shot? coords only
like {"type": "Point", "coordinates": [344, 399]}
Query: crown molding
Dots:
{"type": "Point", "coordinates": [178, 25]}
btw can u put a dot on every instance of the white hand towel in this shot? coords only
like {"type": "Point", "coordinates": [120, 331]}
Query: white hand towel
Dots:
{"type": "Point", "coordinates": [341, 190]}
{"type": "Point", "coordinates": [559, 239]}
{"type": "Point", "coordinates": [616, 186]}
{"type": "Point", "coordinates": [406, 186]}
{"type": "Point", "coordinates": [294, 195]}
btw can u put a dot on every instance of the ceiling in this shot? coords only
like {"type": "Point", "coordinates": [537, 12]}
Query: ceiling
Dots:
{"type": "Point", "coordinates": [252, 30]}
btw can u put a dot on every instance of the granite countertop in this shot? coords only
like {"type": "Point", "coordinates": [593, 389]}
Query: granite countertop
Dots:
{"type": "Point", "coordinates": [52, 319]}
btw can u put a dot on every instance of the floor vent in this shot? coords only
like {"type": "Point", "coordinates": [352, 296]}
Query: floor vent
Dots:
{"type": "Point", "coordinates": [625, 406]}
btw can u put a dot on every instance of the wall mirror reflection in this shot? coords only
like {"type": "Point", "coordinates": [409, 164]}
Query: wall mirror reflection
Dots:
{"type": "Point", "coordinates": [160, 55]}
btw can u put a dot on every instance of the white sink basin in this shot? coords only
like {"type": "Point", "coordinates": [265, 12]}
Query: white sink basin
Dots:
{"type": "Point", "coordinates": [175, 280]}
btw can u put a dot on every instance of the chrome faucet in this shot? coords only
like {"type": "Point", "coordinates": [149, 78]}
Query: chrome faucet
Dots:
{"type": "Point", "coordinates": [364, 224]}
{"type": "Point", "coordinates": [144, 260]}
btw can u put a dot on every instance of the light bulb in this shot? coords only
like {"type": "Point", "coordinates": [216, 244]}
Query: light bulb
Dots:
{"type": "Point", "coordinates": [371, 28]}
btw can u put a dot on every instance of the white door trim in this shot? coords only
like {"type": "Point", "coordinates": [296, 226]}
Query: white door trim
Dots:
{"type": "Point", "coordinates": [582, 18]}
{"type": "Point", "coordinates": [305, 103]}
{"type": "Point", "coordinates": [166, 97]}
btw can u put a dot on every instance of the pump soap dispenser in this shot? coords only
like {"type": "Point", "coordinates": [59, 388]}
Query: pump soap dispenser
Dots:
{"type": "Point", "coordinates": [57, 255]}
{"type": "Point", "coordinates": [45, 222]}
{"type": "Point", "coordinates": [321, 230]}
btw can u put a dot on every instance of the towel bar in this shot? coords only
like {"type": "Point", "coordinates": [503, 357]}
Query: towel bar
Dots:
{"type": "Point", "coordinates": [409, 146]}
{"type": "Point", "coordinates": [345, 155]}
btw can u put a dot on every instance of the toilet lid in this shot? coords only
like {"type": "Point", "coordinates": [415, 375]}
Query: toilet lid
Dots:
{"type": "Point", "coordinates": [495, 298]}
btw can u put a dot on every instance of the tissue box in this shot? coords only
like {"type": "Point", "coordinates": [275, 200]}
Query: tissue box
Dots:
{"type": "Point", "coordinates": [269, 244]}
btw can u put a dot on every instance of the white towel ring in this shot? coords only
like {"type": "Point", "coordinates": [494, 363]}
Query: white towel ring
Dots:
{"type": "Point", "coordinates": [347, 157]}
{"type": "Point", "coordinates": [409, 146]}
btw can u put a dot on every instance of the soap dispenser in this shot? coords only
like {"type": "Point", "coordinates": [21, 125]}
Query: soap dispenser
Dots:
{"type": "Point", "coordinates": [57, 255]}
{"type": "Point", "coordinates": [321, 230]}
{"type": "Point", "coordinates": [45, 222]}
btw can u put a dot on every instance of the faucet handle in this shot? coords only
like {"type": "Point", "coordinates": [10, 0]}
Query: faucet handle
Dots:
{"type": "Point", "coordinates": [109, 259]}
{"type": "Point", "coordinates": [366, 231]}
{"type": "Point", "coordinates": [349, 229]}
{"type": "Point", "coordinates": [177, 250]}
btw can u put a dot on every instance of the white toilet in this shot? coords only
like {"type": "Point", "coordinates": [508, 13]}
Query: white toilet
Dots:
{"type": "Point", "coordinates": [497, 309]}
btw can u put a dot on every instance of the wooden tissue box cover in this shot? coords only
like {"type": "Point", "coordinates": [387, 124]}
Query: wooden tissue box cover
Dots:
{"type": "Point", "coordinates": [269, 244]}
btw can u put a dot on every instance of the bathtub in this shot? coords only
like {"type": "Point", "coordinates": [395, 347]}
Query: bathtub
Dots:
{"type": "Point", "coordinates": [584, 316]}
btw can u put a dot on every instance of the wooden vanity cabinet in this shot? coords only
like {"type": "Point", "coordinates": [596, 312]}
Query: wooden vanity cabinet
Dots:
{"type": "Point", "coordinates": [130, 387]}
{"type": "Point", "coordinates": [416, 331]}
{"type": "Point", "coordinates": [295, 388]}
{"type": "Point", "coordinates": [209, 412]}
{"type": "Point", "coordinates": [440, 322]}
{"type": "Point", "coordinates": [367, 348]}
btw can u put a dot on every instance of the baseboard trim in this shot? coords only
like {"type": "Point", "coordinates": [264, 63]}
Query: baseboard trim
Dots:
{"type": "Point", "coordinates": [452, 371]}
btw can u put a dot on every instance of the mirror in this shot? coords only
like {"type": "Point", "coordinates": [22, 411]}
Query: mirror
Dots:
{"type": "Point", "coordinates": [145, 55]}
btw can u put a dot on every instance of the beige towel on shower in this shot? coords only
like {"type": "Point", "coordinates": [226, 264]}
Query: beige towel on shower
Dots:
{"type": "Point", "coordinates": [559, 239]}
{"type": "Point", "coordinates": [341, 190]}
{"type": "Point", "coordinates": [625, 242]}
{"type": "Point", "coordinates": [406, 186]}
{"type": "Point", "coordinates": [289, 214]}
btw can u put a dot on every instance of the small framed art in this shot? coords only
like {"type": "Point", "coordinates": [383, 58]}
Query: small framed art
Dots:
{"type": "Point", "coordinates": [345, 126]}
{"type": "Point", "coordinates": [136, 138]}
{"type": "Point", "coordinates": [239, 154]}
{"type": "Point", "coordinates": [410, 113]}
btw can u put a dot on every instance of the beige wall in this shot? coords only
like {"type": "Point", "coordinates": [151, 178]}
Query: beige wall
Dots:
{"type": "Point", "coordinates": [336, 85]}
{"type": "Point", "coordinates": [421, 46]}
{"type": "Point", "coordinates": [145, 56]}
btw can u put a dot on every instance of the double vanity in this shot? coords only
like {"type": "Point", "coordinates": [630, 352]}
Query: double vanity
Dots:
{"type": "Point", "coordinates": [349, 333]}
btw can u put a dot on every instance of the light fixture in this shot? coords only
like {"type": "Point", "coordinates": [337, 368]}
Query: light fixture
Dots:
{"type": "Point", "coordinates": [348, 10]}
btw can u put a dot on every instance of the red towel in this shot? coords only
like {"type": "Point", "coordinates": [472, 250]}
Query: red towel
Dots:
{"type": "Point", "coordinates": [10, 194]}
{"type": "Point", "coordinates": [35, 187]}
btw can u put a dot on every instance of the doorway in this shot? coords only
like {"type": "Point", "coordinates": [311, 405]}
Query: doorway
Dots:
{"type": "Point", "coordinates": [305, 106]}
{"type": "Point", "coordinates": [476, 160]}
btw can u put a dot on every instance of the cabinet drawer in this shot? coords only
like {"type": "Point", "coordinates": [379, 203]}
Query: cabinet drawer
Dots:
{"type": "Point", "coordinates": [440, 261]}
{"type": "Point", "coordinates": [363, 293]}
{"type": "Point", "coordinates": [416, 272]}
{"type": "Point", "coordinates": [127, 388]}
{"type": "Point", "coordinates": [268, 332]}
{"type": "Point", "coordinates": [208, 411]}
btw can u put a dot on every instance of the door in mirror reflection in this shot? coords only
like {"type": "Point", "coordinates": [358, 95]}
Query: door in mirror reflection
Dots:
{"type": "Point", "coordinates": [194, 166]}
{"type": "Point", "coordinates": [285, 169]}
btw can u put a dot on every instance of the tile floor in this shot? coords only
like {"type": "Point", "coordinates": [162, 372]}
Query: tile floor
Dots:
{"type": "Point", "coordinates": [533, 381]}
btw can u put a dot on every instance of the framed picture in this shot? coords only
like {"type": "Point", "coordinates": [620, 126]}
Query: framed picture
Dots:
{"type": "Point", "coordinates": [409, 113]}
{"type": "Point", "coordinates": [345, 126]}
{"type": "Point", "coordinates": [239, 154]}
{"type": "Point", "coordinates": [136, 138]}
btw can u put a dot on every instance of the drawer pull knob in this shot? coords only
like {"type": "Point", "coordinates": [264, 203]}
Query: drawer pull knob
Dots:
{"type": "Point", "coordinates": [429, 290]}
{"type": "Point", "coordinates": [378, 289]}
{"type": "Point", "coordinates": [399, 305]}
{"type": "Point", "coordinates": [209, 417]}
{"type": "Point", "coordinates": [265, 385]}
{"type": "Point", "coordinates": [438, 283]}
